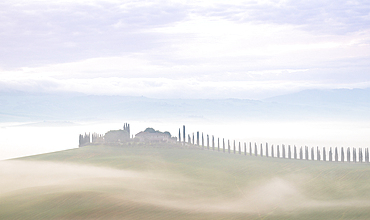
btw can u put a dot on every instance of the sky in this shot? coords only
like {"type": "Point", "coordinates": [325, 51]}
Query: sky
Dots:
{"type": "Point", "coordinates": [183, 49]}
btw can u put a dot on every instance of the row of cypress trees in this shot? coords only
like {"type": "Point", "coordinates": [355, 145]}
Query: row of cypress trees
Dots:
{"type": "Point", "coordinates": [306, 153]}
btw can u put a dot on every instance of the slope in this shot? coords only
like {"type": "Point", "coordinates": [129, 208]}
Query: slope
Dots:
{"type": "Point", "coordinates": [171, 181]}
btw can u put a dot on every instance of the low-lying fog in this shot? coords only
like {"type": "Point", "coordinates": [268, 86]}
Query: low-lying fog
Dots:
{"type": "Point", "coordinates": [21, 139]}
{"type": "Point", "coordinates": [162, 189]}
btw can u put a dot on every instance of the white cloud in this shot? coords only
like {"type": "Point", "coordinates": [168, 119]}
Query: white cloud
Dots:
{"type": "Point", "coordinates": [184, 48]}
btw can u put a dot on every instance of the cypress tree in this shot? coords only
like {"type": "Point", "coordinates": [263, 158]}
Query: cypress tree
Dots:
{"type": "Point", "coordinates": [306, 152]}
{"type": "Point", "coordinates": [342, 154]}
{"type": "Point", "coordinates": [245, 148]}
{"type": "Point", "coordinates": [261, 151]}
{"type": "Point", "coordinates": [301, 153]}
{"type": "Point", "coordinates": [80, 140]}
{"type": "Point", "coordinates": [255, 149]}
{"type": "Point", "coordinates": [324, 154]}
{"type": "Point", "coordinates": [207, 142]}
{"type": "Point", "coordinates": [289, 152]}
{"type": "Point", "coordinates": [348, 155]}
{"type": "Point", "coordinates": [267, 150]}
{"type": "Point", "coordinates": [278, 152]}
{"type": "Point", "coordinates": [202, 140]}
{"type": "Point", "coordinates": [295, 152]}
{"type": "Point", "coordinates": [272, 151]}
{"type": "Point", "coordinates": [330, 155]}
{"type": "Point", "coordinates": [250, 148]}
{"type": "Point", "coordinates": [179, 135]}
{"type": "Point", "coordinates": [240, 150]}
{"type": "Point", "coordinates": [228, 145]}
{"type": "Point", "coordinates": [213, 142]}
{"type": "Point", "coordinates": [312, 154]}
{"type": "Point", "coordinates": [234, 147]}
{"type": "Point", "coordinates": [318, 154]}
{"type": "Point", "coordinates": [283, 149]}
{"type": "Point", "coordinates": [354, 155]}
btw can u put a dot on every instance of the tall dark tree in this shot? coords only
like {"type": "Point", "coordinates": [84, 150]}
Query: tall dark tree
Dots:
{"type": "Point", "coordinates": [261, 151]}
{"type": "Point", "coordinates": [207, 142]}
{"type": "Point", "coordinates": [255, 149]}
{"type": "Point", "coordinates": [348, 154]}
{"type": "Point", "coordinates": [318, 154]}
{"type": "Point", "coordinates": [202, 141]}
{"type": "Point", "coordinates": [179, 135]}
{"type": "Point", "coordinates": [228, 145]}
{"type": "Point", "coordinates": [306, 152]}
{"type": "Point", "coordinates": [234, 147]}
{"type": "Point", "coordinates": [295, 152]}
{"type": "Point", "coordinates": [312, 154]}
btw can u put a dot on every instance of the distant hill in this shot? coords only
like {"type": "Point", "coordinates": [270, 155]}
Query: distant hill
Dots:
{"type": "Point", "coordinates": [338, 97]}
{"type": "Point", "coordinates": [172, 181]}
{"type": "Point", "coordinates": [310, 104]}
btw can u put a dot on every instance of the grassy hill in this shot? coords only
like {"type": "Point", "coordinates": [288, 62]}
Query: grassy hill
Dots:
{"type": "Point", "coordinates": [175, 182]}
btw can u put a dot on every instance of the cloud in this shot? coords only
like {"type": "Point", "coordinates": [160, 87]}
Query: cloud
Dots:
{"type": "Point", "coordinates": [252, 42]}
{"type": "Point", "coordinates": [38, 33]}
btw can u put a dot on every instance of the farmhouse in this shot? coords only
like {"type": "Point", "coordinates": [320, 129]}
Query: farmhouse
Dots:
{"type": "Point", "coordinates": [151, 135]}
{"type": "Point", "coordinates": [118, 136]}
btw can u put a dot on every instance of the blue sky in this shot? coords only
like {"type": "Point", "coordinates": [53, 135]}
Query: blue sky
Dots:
{"type": "Point", "coordinates": [184, 49]}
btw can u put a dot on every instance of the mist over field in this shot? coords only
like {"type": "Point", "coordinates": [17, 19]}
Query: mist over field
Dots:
{"type": "Point", "coordinates": [133, 181]}
{"type": "Point", "coordinates": [156, 188]}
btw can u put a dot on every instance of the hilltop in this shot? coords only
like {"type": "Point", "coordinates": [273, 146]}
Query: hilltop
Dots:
{"type": "Point", "coordinates": [166, 181]}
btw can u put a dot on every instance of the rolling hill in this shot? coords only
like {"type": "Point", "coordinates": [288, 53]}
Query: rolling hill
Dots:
{"type": "Point", "coordinates": [176, 182]}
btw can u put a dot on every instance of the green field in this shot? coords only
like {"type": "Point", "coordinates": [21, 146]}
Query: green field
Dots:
{"type": "Point", "coordinates": [175, 182]}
